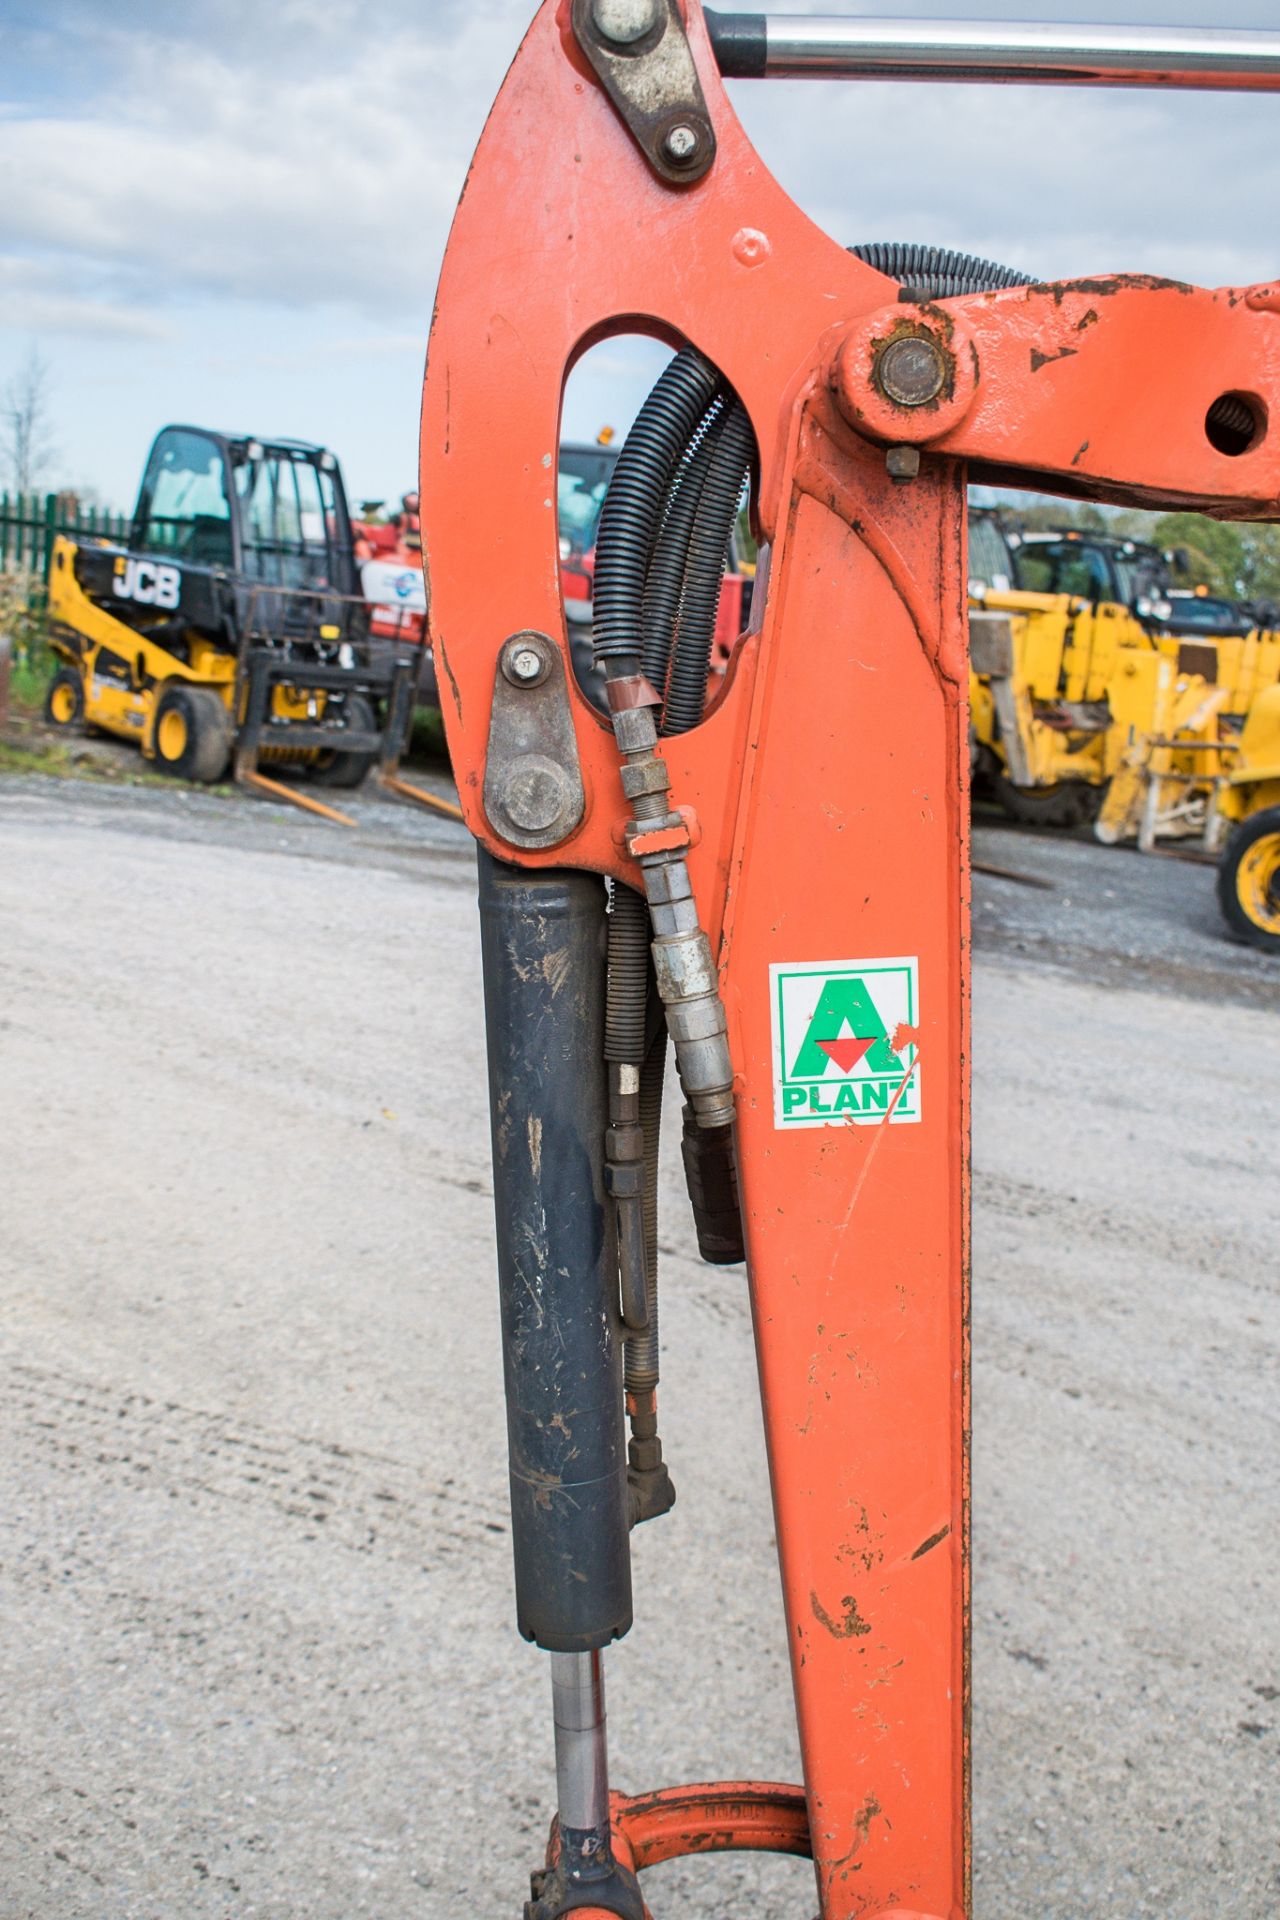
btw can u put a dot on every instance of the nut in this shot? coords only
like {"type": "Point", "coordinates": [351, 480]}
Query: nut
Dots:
{"type": "Point", "coordinates": [625, 21]}
{"type": "Point", "coordinates": [911, 370]}
{"type": "Point", "coordinates": [902, 463]}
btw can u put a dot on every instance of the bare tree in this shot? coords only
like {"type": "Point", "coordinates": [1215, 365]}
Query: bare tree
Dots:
{"type": "Point", "coordinates": [24, 407]}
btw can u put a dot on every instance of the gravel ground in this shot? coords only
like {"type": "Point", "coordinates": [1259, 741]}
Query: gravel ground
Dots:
{"type": "Point", "coordinates": [256, 1645]}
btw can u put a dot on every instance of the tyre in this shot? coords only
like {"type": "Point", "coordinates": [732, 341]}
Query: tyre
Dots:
{"type": "Point", "coordinates": [1071, 803]}
{"type": "Point", "coordinates": [1249, 881]}
{"type": "Point", "coordinates": [64, 702]}
{"type": "Point", "coordinates": [192, 734]}
{"type": "Point", "coordinates": [338, 769]}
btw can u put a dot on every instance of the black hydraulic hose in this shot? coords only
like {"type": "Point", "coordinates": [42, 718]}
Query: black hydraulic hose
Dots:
{"type": "Point", "coordinates": [667, 567]}
{"type": "Point", "coordinates": [704, 571]}
{"type": "Point", "coordinates": [937, 273]}
{"type": "Point", "coordinates": [660, 553]}
{"type": "Point", "coordinates": [641, 1354]}
{"type": "Point", "coordinates": [628, 979]}
{"type": "Point", "coordinates": [633, 505]}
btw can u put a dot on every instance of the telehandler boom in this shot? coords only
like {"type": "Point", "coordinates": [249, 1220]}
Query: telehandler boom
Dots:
{"type": "Point", "coordinates": [779, 883]}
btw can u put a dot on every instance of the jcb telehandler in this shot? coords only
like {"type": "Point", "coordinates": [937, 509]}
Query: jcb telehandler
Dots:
{"type": "Point", "coordinates": [787, 868]}
{"type": "Point", "coordinates": [231, 624]}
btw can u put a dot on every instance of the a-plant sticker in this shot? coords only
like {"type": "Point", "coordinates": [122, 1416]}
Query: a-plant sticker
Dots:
{"type": "Point", "coordinates": [844, 1049]}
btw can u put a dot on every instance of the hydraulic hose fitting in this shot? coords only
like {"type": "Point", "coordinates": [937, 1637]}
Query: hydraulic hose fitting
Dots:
{"type": "Point", "coordinates": [648, 1478]}
{"type": "Point", "coordinates": [657, 839]}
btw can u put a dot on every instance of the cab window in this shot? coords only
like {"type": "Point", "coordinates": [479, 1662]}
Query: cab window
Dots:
{"type": "Point", "coordinates": [289, 519]}
{"type": "Point", "coordinates": [183, 509]}
{"type": "Point", "coordinates": [1068, 567]}
{"type": "Point", "coordinates": [582, 483]}
{"type": "Point", "coordinates": [989, 564]}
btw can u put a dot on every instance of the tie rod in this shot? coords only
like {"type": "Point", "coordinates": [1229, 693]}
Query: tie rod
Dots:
{"type": "Point", "coordinates": [757, 46]}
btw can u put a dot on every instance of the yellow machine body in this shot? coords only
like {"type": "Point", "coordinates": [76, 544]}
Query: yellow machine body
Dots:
{"type": "Point", "coordinates": [1066, 695]}
{"type": "Point", "coordinates": [123, 671]}
{"type": "Point", "coordinates": [1251, 781]}
{"type": "Point", "coordinates": [1247, 819]}
{"type": "Point", "coordinates": [1053, 693]}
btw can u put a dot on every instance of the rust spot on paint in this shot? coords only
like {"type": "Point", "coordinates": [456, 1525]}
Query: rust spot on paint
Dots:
{"type": "Point", "coordinates": [867, 1812]}
{"type": "Point", "coordinates": [927, 1546]}
{"type": "Point", "coordinates": [850, 1625]}
{"type": "Point", "coordinates": [1039, 359]}
{"type": "Point", "coordinates": [1110, 284]}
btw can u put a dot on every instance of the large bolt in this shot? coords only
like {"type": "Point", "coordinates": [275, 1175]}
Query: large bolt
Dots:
{"type": "Point", "coordinates": [625, 21]}
{"type": "Point", "coordinates": [911, 370]}
{"type": "Point", "coordinates": [525, 664]}
{"type": "Point", "coordinates": [681, 144]}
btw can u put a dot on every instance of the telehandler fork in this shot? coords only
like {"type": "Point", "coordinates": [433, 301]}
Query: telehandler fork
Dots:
{"type": "Point", "coordinates": [787, 873]}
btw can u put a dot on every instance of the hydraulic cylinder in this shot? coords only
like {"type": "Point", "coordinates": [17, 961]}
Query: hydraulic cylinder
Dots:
{"type": "Point", "coordinates": [543, 944]}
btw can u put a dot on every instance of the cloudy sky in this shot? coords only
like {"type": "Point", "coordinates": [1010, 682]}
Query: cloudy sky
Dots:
{"type": "Point", "coordinates": [233, 212]}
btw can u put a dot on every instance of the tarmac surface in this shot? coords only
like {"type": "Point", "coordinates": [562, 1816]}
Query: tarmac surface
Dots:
{"type": "Point", "coordinates": [257, 1653]}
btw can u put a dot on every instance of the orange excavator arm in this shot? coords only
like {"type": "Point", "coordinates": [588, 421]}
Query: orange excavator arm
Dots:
{"type": "Point", "coordinates": [787, 870]}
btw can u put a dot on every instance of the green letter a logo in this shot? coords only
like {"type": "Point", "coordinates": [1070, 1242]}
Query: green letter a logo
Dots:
{"type": "Point", "coordinates": [845, 1002]}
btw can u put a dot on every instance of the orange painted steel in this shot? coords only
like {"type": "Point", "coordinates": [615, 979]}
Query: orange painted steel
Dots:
{"type": "Point", "coordinates": [728, 1816]}
{"type": "Point", "coordinates": [828, 788]}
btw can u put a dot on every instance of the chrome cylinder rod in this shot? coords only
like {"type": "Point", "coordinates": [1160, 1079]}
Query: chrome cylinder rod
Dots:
{"type": "Point", "coordinates": [582, 1760]}
{"type": "Point", "coordinates": [818, 46]}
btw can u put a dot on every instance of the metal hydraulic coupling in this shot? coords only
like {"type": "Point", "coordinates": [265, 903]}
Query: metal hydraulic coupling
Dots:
{"type": "Point", "coordinates": [657, 839]}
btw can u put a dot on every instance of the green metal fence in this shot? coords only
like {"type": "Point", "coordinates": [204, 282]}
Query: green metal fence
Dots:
{"type": "Point", "coordinates": [29, 521]}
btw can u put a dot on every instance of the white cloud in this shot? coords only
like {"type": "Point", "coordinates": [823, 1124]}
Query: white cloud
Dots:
{"type": "Point", "coordinates": [218, 170]}
{"type": "Point", "coordinates": [312, 154]}
{"type": "Point", "coordinates": [37, 297]}
{"type": "Point", "coordinates": [232, 205]}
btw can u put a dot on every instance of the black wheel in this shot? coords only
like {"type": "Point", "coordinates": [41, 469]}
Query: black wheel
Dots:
{"type": "Point", "coordinates": [338, 769]}
{"type": "Point", "coordinates": [1249, 880]}
{"type": "Point", "coordinates": [64, 702]}
{"type": "Point", "coordinates": [192, 734]}
{"type": "Point", "coordinates": [1071, 803]}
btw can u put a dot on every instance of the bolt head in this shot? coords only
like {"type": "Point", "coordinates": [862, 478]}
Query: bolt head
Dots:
{"type": "Point", "coordinates": [681, 144]}
{"type": "Point", "coordinates": [535, 793]}
{"type": "Point", "coordinates": [625, 21]}
{"type": "Point", "coordinates": [525, 663]}
{"type": "Point", "coordinates": [902, 463]}
{"type": "Point", "coordinates": [911, 370]}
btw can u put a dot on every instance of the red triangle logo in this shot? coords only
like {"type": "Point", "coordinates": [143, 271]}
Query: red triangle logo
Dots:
{"type": "Point", "coordinates": [846, 1053]}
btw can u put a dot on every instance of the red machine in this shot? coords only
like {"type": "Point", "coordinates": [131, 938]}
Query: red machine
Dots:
{"type": "Point", "coordinates": [787, 871]}
{"type": "Point", "coordinates": [389, 556]}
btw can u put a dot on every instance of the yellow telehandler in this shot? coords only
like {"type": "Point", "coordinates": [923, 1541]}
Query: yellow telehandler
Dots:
{"type": "Point", "coordinates": [230, 627]}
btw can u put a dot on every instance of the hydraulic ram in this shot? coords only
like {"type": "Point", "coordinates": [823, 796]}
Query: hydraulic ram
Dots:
{"type": "Point", "coordinates": [831, 46]}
